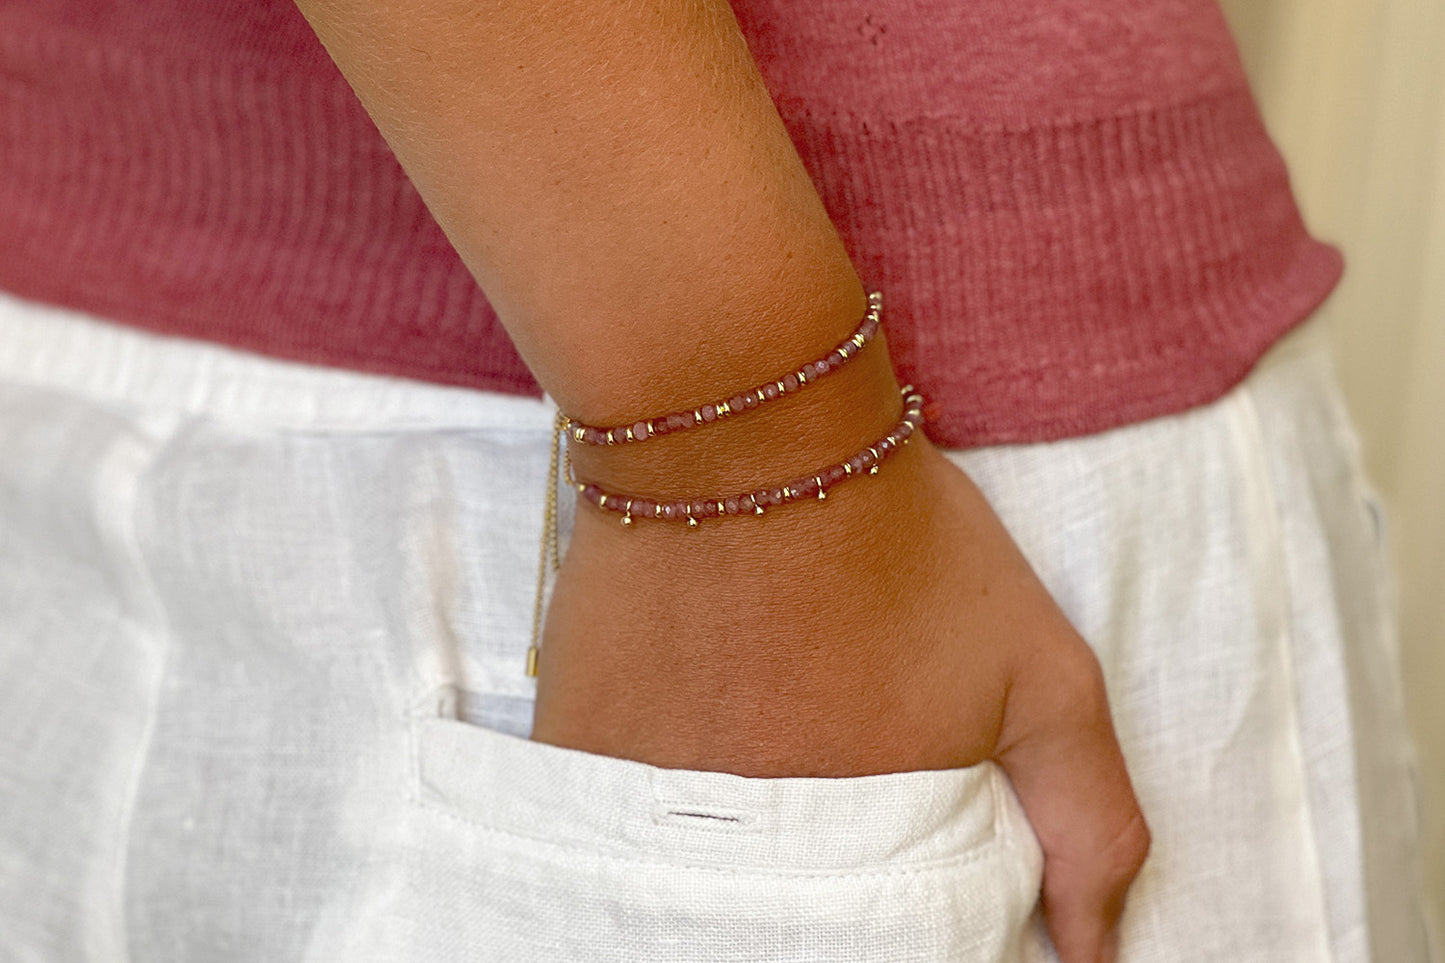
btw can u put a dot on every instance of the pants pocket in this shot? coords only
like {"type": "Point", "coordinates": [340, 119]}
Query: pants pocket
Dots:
{"type": "Point", "coordinates": [522, 851]}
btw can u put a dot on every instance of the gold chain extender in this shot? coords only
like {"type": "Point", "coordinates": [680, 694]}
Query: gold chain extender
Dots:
{"type": "Point", "coordinates": [550, 556]}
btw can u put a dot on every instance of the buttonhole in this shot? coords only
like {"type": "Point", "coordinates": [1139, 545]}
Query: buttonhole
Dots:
{"type": "Point", "coordinates": [717, 817]}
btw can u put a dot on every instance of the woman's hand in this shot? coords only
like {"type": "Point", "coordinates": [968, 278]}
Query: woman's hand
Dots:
{"type": "Point", "coordinates": [893, 627]}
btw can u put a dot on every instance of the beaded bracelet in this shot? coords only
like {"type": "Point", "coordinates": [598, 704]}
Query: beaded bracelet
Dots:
{"type": "Point", "coordinates": [768, 391]}
{"type": "Point", "coordinates": [814, 485]}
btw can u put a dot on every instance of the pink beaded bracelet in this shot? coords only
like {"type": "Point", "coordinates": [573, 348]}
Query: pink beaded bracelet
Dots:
{"type": "Point", "coordinates": [815, 485]}
{"type": "Point", "coordinates": [792, 381]}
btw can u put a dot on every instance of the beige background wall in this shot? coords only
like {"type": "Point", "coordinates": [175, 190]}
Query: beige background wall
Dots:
{"type": "Point", "coordinates": [1354, 93]}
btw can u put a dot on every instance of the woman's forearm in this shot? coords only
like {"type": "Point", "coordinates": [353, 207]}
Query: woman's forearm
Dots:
{"type": "Point", "coordinates": [616, 177]}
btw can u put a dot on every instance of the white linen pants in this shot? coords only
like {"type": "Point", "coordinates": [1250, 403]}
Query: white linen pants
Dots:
{"type": "Point", "coordinates": [262, 634]}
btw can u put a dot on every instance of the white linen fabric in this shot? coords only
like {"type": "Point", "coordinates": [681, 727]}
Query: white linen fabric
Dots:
{"type": "Point", "coordinates": [262, 692]}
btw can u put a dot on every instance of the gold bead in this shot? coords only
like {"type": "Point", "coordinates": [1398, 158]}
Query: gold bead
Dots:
{"type": "Point", "coordinates": [627, 519]}
{"type": "Point", "coordinates": [723, 409]}
{"type": "Point", "coordinates": [691, 522]}
{"type": "Point", "coordinates": [872, 469]}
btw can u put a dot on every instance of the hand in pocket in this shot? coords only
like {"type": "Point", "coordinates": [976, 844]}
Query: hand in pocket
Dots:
{"type": "Point", "coordinates": [897, 629]}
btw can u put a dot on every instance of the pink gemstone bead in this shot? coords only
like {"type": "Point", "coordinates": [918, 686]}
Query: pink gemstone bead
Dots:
{"type": "Point", "coordinates": [619, 434]}
{"type": "Point", "coordinates": [885, 445]}
{"type": "Point", "coordinates": [709, 413]}
{"type": "Point", "coordinates": [698, 510]}
{"type": "Point", "coordinates": [790, 382]}
{"type": "Point", "coordinates": [641, 506]}
{"type": "Point", "coordinates": [833, 474]}
{"type": "Point", "coordinates": [750, 400]}
{"type": "Point", "coordinates": [903, 430]}
{"type": "Point", "coordinates": [821, 366]}
{"type": "Point", "coordinates": [775, 496]}
{"type": "Point", "coordinates": [835, 359]}
{"type": "Point", "coordinates": [639, 430]}
{"type": "Point", "coordinates": [592, 493]}
{"type": "Point", "coordinates": [709, 509]}
{"type": "Point", "coordinates": [770, 391]}
{"type": "Point", "coordinates": [668, 511]}
{"type": "Point", "coordinates": [731, 504]}
{"type": "Point", "coordinates": [805, 486]}
{"type": "Point", "coordinates": [856, 463]}
{"type": "Point", "coordinates": [866, 457]}
{"type": "Point", "coordinates": [868, 328]}
{"type": "Point", "coordinates": [745, 504]}
{"type": "Point", "coordinates": [592, 436]}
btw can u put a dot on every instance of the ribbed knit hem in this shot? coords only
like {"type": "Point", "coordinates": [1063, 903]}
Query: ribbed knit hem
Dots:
{"type": "Point", "coordinates": [1039, 283]}
{"type": "Point", "coordinates": [230, 201]}
{"type": "Point", "coordinates": [1057, 281]}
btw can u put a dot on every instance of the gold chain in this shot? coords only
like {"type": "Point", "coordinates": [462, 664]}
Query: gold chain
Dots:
{"type": "Point", "coordinates": [550, 554]}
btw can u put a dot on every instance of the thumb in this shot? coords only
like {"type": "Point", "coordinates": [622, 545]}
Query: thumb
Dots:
{"type": "Point", "coordinates": [1059, 750]}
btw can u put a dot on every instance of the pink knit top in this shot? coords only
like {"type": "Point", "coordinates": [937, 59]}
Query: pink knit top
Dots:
{"type": "Point", "coordinates": [1072, 206]}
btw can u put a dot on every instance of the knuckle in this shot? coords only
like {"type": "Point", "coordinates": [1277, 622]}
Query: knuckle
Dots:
{"type": "Point", "coordinates": [1126, 853]}
{"type": "Point", "coordinates": [1079, 681]}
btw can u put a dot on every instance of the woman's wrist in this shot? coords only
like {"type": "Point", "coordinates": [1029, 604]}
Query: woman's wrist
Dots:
{"type": "Point", "coordinates": [793, 435]}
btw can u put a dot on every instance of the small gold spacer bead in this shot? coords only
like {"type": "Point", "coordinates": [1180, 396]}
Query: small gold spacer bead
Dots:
{"type": "Point", "coordinates": [801, 375]}
{"type": "Point", "coordinates": [629, 435]}
{"type": "Point", "coordinates": [859, 340]}
{"type": "Point", "coordinates": [723, 409]}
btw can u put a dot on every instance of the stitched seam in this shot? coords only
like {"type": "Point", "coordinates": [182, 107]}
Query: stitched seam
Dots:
{"type": "Point", "coordinates": [130, 543]}
{"type": "Point", "coordinates": [1254, 451]}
